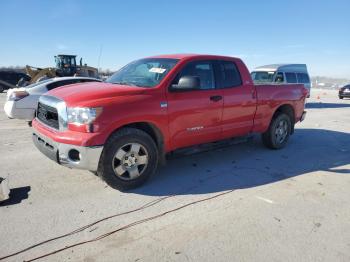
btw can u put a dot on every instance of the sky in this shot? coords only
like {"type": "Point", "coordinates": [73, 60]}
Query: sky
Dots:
{"type": "Point", "coordinates": [109, 34]}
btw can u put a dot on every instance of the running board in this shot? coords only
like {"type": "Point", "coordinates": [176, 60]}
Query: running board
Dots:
{"type": "Point", "coordinates": [208, 147]}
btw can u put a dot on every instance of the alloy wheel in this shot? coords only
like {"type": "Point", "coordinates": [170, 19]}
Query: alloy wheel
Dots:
{"type": "Point", "coordinates": [281, 131]}
{"type": "Point", "coordinates": [130, 161]}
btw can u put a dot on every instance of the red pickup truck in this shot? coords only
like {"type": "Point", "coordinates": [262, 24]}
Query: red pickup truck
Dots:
{"type": "Point", "coordinates": [123, 128]}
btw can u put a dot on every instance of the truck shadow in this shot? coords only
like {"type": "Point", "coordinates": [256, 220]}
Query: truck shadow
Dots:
{"type": "Point", "coordinates": [313, 105]}
{"type": "Point", "coordinates": [251, 164]}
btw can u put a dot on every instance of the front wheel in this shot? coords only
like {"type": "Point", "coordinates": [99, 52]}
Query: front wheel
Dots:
{"type": "Point", "coordinates": [129, 158]}
{"type": "Point", "coordinates": [278, 133]}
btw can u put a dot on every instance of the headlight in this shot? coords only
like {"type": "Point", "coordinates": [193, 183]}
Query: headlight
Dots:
{"type": "Point", "coordinates": [82, 115]}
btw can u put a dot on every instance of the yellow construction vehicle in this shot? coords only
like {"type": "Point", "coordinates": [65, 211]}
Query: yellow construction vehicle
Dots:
{"type": "Point", "coordinates": [65, 66]}
{"type": "Point", "coordinates": [36, 74]}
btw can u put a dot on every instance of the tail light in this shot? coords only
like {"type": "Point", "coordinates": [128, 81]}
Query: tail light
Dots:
{"type": "Point", "coordinates": [305, 91]}
{"type": "Point", "coordinates": [18, 95]}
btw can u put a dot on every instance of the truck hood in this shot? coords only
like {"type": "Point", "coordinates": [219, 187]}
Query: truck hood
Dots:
{"type": "Point", "coordinates": [84, 92]}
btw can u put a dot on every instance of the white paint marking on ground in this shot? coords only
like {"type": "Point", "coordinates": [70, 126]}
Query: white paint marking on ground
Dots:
{"type": "Point", "coordinates": [265, 199]}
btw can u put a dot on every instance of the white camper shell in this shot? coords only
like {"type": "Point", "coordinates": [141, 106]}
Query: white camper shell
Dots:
{"type": "Point", "coordinates": [282, 74]}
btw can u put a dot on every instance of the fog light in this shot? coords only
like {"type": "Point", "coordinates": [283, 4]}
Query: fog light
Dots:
{"type": "Point", "coordinates": [74, 155]}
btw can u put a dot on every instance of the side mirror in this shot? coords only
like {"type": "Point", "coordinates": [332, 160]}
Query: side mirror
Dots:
{"type": "Point", "coordinates": [187, 83]}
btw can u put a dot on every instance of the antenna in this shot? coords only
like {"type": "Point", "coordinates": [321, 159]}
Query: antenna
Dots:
{"type": "Point", "coordinates": [99, 57]}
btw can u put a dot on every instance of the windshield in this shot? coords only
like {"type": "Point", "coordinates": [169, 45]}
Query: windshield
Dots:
{"type": "Point", "coordinates": [65, 61]}
{"type": "Point", "coordinates": [145, 72]}
{"type": "Point", "coordinates": [263, 77]}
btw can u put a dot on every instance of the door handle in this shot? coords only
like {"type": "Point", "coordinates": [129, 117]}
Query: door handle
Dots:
{"type": "Point", "coordinates": [254, 93]}
{"type": "Point", "coordinates": [215, 98]}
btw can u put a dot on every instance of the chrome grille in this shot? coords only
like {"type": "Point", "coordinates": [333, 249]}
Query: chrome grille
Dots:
{"type": "Point", "coordinates": [52, 112]}
{"type": "Point", "coordinates": [48, 115]}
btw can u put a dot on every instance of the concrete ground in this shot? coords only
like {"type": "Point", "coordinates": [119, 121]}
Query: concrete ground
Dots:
{"type": "Point", "coordinates": [286, 205]}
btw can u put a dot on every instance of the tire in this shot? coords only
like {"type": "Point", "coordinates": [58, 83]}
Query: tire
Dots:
{"type": "Point", "coordinates": [282, 125]}
{"type": "Point", "coordinates": [129, 158]}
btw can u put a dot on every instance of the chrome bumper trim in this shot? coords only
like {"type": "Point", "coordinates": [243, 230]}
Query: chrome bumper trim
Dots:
{"type": "Point", "coordinates": [58, 152]}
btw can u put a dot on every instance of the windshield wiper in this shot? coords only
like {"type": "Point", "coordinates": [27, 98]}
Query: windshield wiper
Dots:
{"type": "Point", "coordinates": [127, 83]}
{"type": "Point", "coordinates": [121, 83]}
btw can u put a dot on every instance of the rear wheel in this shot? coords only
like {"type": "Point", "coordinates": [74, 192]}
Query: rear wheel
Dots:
{"type": "Point", "coordinates": [278, 133]}
{"type": "Point", "coordinates": [129, 158]}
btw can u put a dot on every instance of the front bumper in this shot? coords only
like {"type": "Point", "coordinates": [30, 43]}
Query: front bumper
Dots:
{"type": "Point", "coordinates": [72, 156]}
{"type": "Point", "coordinates": [343, 94]}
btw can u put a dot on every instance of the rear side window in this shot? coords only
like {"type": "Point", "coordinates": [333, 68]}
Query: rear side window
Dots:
{"type": "Point", "coordinates": [228, 75]}
{"type": "Point", "coordinates": [303, 78]}
{"type": "Point", "coordinates": [291, 78]}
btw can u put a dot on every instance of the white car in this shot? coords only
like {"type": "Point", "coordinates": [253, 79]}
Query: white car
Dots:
{"type": "Point", "coordinates": [282, 74]}
{"type": "Point", "coordinates": [22, 102]}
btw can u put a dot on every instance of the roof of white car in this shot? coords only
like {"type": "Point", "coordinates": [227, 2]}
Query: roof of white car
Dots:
{"type": "Point", "coordinates": [283, 67]}
{"type": "Point", "coordinates": [72, 77]}
{"type": "Point", "coordinates": [58, 79]}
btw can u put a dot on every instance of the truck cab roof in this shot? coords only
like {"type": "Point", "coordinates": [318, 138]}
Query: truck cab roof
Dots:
{"type": "Point", "coordinates": [188, 56]}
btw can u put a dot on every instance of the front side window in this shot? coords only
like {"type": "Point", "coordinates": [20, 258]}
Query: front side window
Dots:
{"type": "Point", "coordinates": [203, 70]}
{"type": "Point", "coordinates": [291, 78]}
{"type": "Point", "coordinates": [229, 74]}
{"type": "Point", "coordinates": [144, 73]}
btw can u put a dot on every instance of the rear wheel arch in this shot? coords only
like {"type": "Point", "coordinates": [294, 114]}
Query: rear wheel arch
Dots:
{"type": "Point", "coordinates": [288, 110]}
{"type": "Point", "coordinates": [278, 132]}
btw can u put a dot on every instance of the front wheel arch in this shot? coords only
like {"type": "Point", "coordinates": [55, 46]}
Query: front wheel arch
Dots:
{"type": "Point", "coordinates": [118, 140]}
{"type": "Point", "coordinates": [152, 130]}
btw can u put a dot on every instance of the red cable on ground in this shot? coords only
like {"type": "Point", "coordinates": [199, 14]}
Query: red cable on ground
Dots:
{"type": "Point", "coordinates": [128, 226]}
{"type": "Point", "coordinates": [147, 205]}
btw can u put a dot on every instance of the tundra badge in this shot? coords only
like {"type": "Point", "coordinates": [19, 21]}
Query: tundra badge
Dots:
{"type": "Point", "coordinates": [163, 104]}
{"type": "Point", "coordinates": [196, 128]}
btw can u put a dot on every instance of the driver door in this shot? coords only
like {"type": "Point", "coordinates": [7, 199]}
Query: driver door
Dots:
{"type": "Point", "coordinates": [195, 115]}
